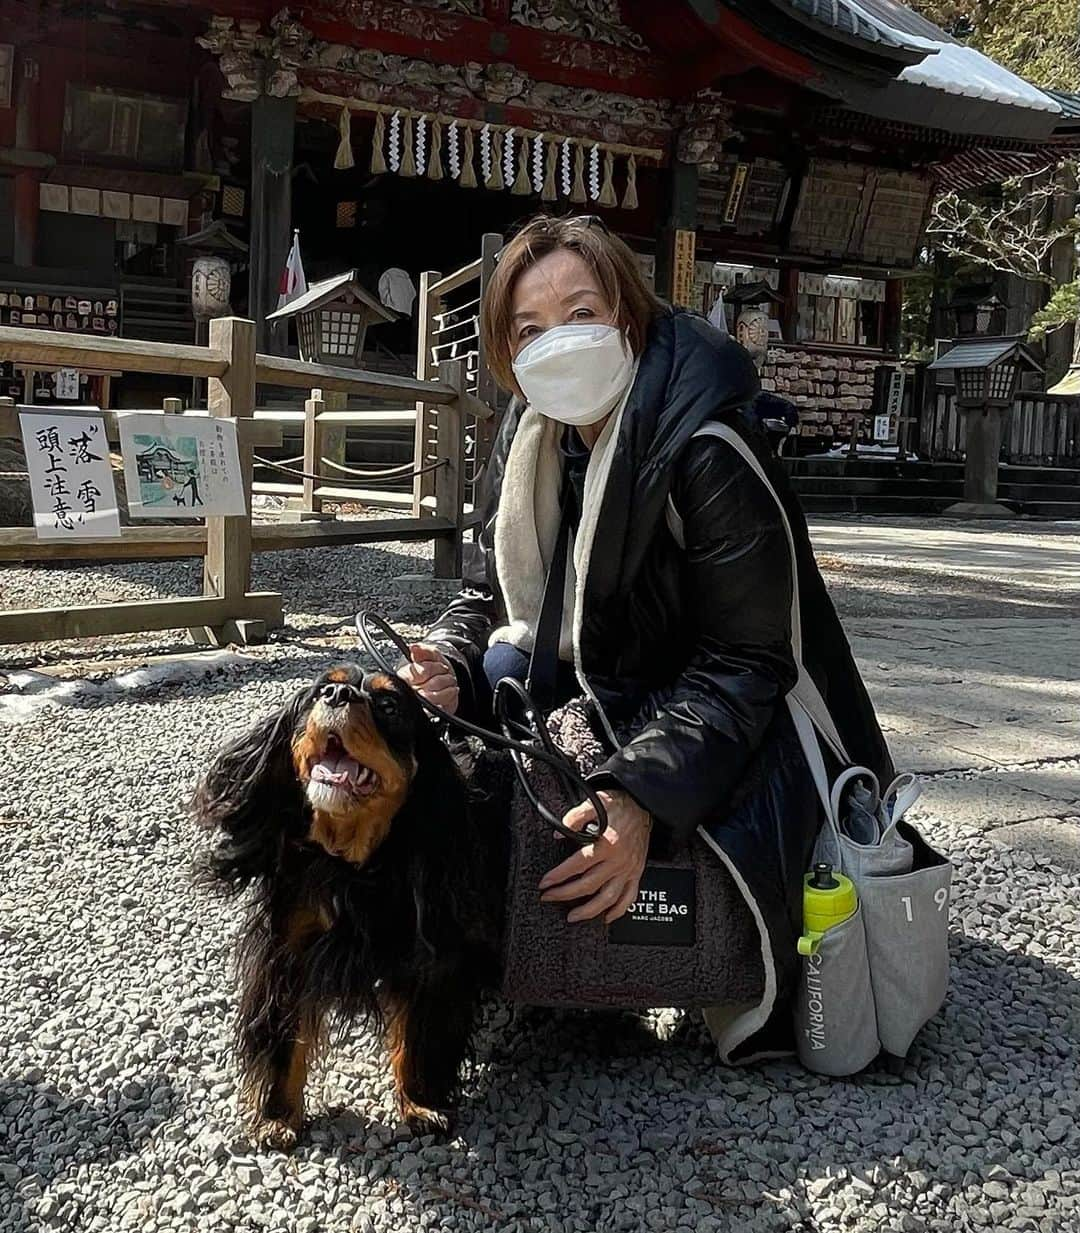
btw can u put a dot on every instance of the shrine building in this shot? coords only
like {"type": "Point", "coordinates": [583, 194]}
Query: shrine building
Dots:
{"type": "Point", "coordinates": [795, 145]}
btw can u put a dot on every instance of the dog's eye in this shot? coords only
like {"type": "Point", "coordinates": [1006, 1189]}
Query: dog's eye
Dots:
{"type": "Point", "coordinates": [386, 705]}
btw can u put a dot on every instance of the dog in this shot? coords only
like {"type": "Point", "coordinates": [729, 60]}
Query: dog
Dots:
{"type": "Point", "coordinates": [377, 892]}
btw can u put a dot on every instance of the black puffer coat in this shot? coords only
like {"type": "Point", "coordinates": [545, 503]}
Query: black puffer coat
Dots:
{"type": "Point", "coordinates": [687, 651]}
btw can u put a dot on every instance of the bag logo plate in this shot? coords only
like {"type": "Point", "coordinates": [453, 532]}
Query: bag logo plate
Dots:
{"type": "Point", "coordinates": [664, 913]}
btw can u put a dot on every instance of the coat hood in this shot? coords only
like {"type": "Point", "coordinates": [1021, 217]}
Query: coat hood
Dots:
{"type": "Point", "coordinates": [688, 373]}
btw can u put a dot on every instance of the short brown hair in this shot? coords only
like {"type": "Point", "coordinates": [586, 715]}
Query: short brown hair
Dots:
{"type": "Point", "coordinates": [615, 266]}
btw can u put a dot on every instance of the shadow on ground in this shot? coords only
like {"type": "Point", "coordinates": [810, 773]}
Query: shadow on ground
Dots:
{"type": "Point", "coordinates": [49, 1134]}
{"type": "Point", "coordinates": [758, 1130]}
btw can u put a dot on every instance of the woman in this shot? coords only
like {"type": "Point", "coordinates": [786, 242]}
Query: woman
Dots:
{"type": "Point", "coordinates": [685, 650]}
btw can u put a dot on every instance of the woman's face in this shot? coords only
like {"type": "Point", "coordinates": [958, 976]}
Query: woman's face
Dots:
{"type": "Point", "coordinates": [559, 289]}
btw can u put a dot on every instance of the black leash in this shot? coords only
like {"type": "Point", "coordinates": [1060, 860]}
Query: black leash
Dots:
{"type": "Point", "coordinates": [524, 732]}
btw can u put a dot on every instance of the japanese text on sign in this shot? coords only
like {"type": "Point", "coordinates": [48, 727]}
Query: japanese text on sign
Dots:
{"type": "Point", "coordinates": [71, 482]}
{"type": "Point", "coordinates": [180, 466]}
{"type": "Point", "coordinates": [682, 274]}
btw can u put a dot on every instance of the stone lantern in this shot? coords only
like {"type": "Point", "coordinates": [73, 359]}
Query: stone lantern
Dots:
{"type": "Point", "coordinates": [987, 374]}
{"type": "Point", "coordinates": [754, 308]}
{"type": "Point", "coordinates": [332, 318]}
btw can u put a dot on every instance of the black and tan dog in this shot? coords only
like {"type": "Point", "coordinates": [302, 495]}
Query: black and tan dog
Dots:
{"type": "Point", "coordinates": [377, 893]}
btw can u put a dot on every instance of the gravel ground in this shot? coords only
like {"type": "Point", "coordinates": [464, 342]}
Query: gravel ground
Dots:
{"type": "Point", "coordinates": [117, 1093]}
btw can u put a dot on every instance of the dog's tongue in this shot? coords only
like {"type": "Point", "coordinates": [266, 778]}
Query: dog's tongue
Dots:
{"type": "Point", "coordinates": [335, 768]}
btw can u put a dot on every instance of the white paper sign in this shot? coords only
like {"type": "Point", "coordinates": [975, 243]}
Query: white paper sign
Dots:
{"type": "Point", "coordinates": [71, 481]}
{"type": "Point", "coordinates": [180, 466]}
{"type": "Point", "coordinates": [66, 384]}
{"type": "Point", "coordinates": [881, 428]}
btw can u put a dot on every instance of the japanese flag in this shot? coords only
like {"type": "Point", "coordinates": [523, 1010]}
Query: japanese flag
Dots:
{"type": "Point", "coordinates": [293, 283]}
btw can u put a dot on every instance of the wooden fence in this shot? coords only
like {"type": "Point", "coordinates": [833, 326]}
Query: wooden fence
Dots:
{"type": "Point", "coordinates": [228, 610]}
{"type": "Point", "coordinates": [448, 328]}
{"type": "Point", "coordinates": [1040, 430]}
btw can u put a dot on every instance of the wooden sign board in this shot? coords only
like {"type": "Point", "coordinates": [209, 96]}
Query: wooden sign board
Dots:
{"type": "Point", "coordinates": [7, 73]}
{"type": "Point", "coordinates": [682, 268]}
{"type": "Point", "coordinates": [894, 216]}
{"type": "Point", "coordinates": [735, 193]}
{"type": "Point", "coordinates": [713, 193]}
{"type": "Point", "coordinates": [764, 199]}
{"type": "Point", "coordinates": [829, 208]}
{"type": "Point", "coordinates": [846, 210]}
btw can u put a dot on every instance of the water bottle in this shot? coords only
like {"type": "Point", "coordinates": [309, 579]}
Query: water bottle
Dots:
{"type": "Point", "coordinates": [829, 898]}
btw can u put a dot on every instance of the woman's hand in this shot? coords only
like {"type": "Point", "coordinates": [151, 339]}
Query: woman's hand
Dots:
{"type": "Point", "coordinates": [431, 675]}
{"type": "Point", "coordinates": [606, 874]}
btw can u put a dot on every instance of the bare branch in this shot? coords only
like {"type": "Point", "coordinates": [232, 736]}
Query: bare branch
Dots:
{"type": "Point", "coordinates": [1013, 235]}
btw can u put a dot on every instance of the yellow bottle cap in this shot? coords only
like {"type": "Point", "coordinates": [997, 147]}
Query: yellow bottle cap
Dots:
{"type": "Point", "coordinates": [828, 899]}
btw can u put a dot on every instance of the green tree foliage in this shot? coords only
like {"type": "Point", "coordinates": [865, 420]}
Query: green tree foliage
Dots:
{"type": "Point", "coordinates": [1039, 39]}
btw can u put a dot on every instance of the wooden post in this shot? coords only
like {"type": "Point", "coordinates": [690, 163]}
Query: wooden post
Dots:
{"type": "Point", "coordinates": [424, 320]}
{"type": "Point", "coordinates": [892, 316]}
{"type": "Point", "coordinates": [450, 478]}
{"type": "Point", "coordinates": [486, 389]}
{"type": "Point", "coordinates": [983, 433]}
{"type": "Point", "coordinates": [1061, 265]}
{"type": "Point", "coordinates": [332, 438]}
{"type": "Point", "coordinates": [681, 216]}
{"type": "Point", "coordinates": [227, 570]}
{"type": "Point", "coordinates": [321, 441]}
{"type": "Point", "coordinates": [313, 407]}
{"type": "Point", "coordinates": [27, 208]}
{"type": "Point", "coordinates": [273, 121]}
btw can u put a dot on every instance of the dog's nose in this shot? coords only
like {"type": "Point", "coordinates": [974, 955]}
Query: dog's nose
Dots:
{"type": "Point", "coordinates": [339, 693]}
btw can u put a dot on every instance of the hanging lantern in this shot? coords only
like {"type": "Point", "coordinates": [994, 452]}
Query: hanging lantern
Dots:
{"type": "Point", "coordinates": [211, 282]}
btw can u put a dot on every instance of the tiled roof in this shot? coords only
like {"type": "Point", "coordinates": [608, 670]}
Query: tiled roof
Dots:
{"type": "Point", "coordinates": [844, 17]}
{"type": "Point", "coordinates": [978, 353]}
{"type": "Point", "coordinates": [946, 65]}
{"type": "Point", "coordinates": [1069, 103]}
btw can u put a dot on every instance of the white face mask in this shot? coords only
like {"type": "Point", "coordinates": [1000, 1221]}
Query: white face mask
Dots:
{"type": "Point", "coordinates": [575, 373]}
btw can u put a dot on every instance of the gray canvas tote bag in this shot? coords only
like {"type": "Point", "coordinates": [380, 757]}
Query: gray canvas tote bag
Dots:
{"type": "Point", "coordinates": [889, 963]}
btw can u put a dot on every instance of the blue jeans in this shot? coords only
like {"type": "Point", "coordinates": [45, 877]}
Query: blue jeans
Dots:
{"type": "Point", "coordinates": [502, 660]}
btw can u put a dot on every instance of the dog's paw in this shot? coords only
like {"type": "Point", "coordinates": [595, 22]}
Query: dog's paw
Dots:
{"type": "Point", "coordinates": [275, 1135]}
{"type": "Point", "coordinates": [422, 1121]}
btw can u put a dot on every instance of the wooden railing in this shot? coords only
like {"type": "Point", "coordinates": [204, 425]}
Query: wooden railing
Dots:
{"type": "Point", "coordinates": [1040, 430]}
{"type": "Point", "coordinates": [228, 610]}
{"type": "Point", "coordinates": [448, 322]}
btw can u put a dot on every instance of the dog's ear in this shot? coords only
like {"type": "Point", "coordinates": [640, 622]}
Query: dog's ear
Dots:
{"type": "Point", "coordinates": [447, 869]}
{"type": "Point", "coordinates": [251, 797]}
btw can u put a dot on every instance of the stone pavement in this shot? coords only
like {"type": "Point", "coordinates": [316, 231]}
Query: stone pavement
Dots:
{"type": "Point", "coordinates": [988, 706]}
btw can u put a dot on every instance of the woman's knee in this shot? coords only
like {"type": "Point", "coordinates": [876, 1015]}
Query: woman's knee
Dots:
{"type": "Point", "coordinates": [503, 660]}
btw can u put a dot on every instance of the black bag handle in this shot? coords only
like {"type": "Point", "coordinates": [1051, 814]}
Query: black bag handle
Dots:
{"type": "Point", "coordinates": [533, 726]}
{"type": "Point", "coordinates": [538, 743]}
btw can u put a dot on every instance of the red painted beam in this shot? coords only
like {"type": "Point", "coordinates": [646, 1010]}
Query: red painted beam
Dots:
{"type": "Point", "coordinates": [679, 32]}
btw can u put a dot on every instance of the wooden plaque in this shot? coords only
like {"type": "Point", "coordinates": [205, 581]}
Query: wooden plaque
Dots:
{"type": "Point", "coordinates": [682, 268]}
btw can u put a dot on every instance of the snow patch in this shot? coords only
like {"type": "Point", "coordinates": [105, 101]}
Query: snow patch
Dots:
{"type": "Point", "coordinates": [27, 693]}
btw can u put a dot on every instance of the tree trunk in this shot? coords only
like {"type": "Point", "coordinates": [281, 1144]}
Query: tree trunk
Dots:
{"type": "Point", "coordinates": [1061, 266]}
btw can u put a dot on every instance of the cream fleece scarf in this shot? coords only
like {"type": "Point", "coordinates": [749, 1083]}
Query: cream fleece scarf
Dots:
{"type": "Point", "coordinates": [528, 522]}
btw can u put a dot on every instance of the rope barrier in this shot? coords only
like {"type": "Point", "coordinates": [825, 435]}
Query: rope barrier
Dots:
{"type": "Point", "coordinates": [363, 475]}
{"type": "Point", "coordinates": [388, 473]}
